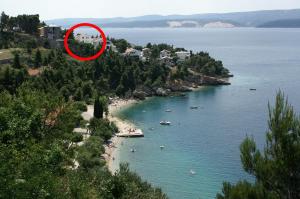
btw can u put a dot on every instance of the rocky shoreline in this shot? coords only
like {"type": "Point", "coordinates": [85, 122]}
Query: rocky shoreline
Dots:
{"type": "Point", "coordinates": [176, 87]}
{"type": "Point", "coordinates": [179, 86]}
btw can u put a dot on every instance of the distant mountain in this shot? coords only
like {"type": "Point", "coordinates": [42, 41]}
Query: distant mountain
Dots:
{"type": "Point", "coordinates": [236, 19]}
{"type": "Point", "coordinates": [285, 23]}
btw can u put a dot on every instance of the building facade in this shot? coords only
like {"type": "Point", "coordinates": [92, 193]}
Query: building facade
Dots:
{"type": "Point", "coordinates": [51, 32]}
{"type": "Point", "coordinates": [183, 55]}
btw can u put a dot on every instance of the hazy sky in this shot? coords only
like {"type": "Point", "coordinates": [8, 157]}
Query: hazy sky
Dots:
{"type": "Point", "coordinates": [51, 9]}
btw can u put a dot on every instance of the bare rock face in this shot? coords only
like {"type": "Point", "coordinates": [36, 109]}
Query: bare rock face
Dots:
{"type": "Point", "coordinates": [148, 92]}
{"type": "Point", "coordinates": [141, 95]}
{"type": "Point", "coordinates": [206, 80]}
{"type": "Point", "coordinates": [186, 85]}
{"type": "Point", "coordinates": [179, 87]}
{"type": "Point", "coordinates": [162, 92]}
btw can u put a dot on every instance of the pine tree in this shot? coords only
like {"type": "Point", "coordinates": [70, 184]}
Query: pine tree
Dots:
{"type": "Point", "coordinates": [98, 69]}
{"type": "Point", "coordinates": [4, 21]}
{"type": "Point", "coordinates": [16, 62]}
{"type": "Point", "coordinates": [98, 109]}
{"type": "Point", "coordinates": [277, 167]}
{"type": "Point", "coordinates": [38, 58]}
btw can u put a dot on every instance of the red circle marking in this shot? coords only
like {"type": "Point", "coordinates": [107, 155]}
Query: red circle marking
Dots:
{"type": "Point", "coordinates": [85, 58]}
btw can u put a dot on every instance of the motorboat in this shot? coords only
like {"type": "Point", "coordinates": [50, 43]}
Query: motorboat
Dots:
{"type": "Point", "coordinates": [192, 172]}
{"type": "Point", "coordinates": [165, 122]}
{"type": "Point", "coordinates": [132, 150]}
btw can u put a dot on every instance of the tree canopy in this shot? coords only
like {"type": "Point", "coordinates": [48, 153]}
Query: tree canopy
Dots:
{"type": "Point", "coordinates": [276, 169]}
{"type": "Point", "coordinates": [38, 156]}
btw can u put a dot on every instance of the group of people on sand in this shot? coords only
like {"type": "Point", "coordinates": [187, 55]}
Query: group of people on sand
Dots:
{"type": "Point", "coordinates": [132, 130]}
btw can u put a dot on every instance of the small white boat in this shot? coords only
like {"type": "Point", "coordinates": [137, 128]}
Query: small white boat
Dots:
{"type": "Point", "coordinates": [162, 147]}
{"type": "Point", "coordinates": [132, 150]}
{"type": "Point", "coordinates": [192, 172]}
{"type": "Point", "coordinates": [165, 123]}
{"type": "Point", "coordinates": [168, 110]}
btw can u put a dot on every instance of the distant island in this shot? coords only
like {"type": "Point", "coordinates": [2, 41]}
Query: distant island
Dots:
{"type": "Point", "coordinates": [283, 23]}
{"type": "Point", "coordinates": [259, 19]}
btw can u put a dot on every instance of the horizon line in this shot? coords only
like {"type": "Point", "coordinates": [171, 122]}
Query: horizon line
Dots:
{"type": "Point", "coordinates": [247, 11]}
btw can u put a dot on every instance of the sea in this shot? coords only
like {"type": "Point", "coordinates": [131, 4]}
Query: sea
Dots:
{"type": "Point", "coordinates": [201, 146]}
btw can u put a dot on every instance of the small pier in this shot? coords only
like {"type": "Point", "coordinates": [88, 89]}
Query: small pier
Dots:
{"type": "Point", "coordinates": [131, 134]}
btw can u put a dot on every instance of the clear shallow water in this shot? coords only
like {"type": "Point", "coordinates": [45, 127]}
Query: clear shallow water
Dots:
{"type": "Point", "coordinates": [207, 140]}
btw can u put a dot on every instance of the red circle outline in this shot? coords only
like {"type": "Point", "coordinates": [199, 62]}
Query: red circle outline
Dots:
{"type": "Point", "coordinates": [85, 58]}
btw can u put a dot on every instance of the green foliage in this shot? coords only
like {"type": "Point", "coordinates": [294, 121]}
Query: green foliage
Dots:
{"type": "Point", "coordinates": [99, 107]}
{"type": "Point", "coordinates": [71, 36]}
{"type": "Point", "coordinates": [82, 49]}
{"type": "Point", "coordinates": [80, 106]}
{"type": "Point", "coordinates": [276, 168]}
{"type": "Point", "coordinates": [38, 115]}
{"type": "Point", "coordinates": [77, 137]}
{"type": "Point", "coordinates": [36, 156]}
{"type": "Point", "coordinates": [38, 58]}
{"type": "Point", "coordinates": [27, 23]}
{"type": "Point", "coordinates": [244, 190]}
{"type": "Point", "coordinates": [11, 79]}
{"type": "Point", "coordinates": [89, 155]}
{"type": "Point", "coordinates": [31, 44]}
{"type": "Point", "coordinates": [31, 129]}
{"type": "Point", "coordinates": [121, 44]}
{"type": "Point", "coordinates": [206, 65]}
{"type": "Point", "coordinates": [16, 61]}
{"type": "Point", "coordinates": [130, 185]}
{"type": "Point", "coordinates": [4, 21]}
{"type": "Point", "coordinates": [181, 72]}
{"type": "Point", "coordinates": [102, 128]}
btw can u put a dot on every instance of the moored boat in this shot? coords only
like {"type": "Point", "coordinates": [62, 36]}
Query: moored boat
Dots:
{"type": "Point", "coordinates": [165, 122]}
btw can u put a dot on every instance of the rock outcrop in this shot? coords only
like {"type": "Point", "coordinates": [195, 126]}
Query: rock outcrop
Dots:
{"type": "Point", "coordinates": [138, 94]}
{"type": "Point", "coordinates": [162, 92]}
{"type": "Point", "coordinates": [178, 86]}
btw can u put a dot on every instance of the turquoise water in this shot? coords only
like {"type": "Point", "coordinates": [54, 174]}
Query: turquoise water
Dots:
{"type": "Point", "coordinates": [207, 140]}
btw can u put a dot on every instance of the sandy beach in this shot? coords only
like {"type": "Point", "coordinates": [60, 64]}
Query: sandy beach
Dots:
{"type": "Point", "coordinates": [111, 152]}
{"type": "Point", "coordinates": [116, 105]}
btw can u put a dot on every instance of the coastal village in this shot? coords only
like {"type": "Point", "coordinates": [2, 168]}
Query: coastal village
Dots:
{"type": "Point", "coordinates": [54, 36]}
{"type": "Point", "coordinates": [127, 130]}
{"type": "Point", "coordinates": [148, 116]}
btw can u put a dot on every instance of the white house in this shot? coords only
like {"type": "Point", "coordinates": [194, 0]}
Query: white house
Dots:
{"type": "Point", "coordinates": [164, 53]}
{"type": "Point", "coordinates": [167, 60]}
{"type": "Point", "coordinates": [132, 52]}
{"type": "Point", "coordinates": [94, 40]}
{"type": "Point", "coordinates": [146, 52]}
{"type": "Point", "coordinates": [183, 55]}
{"type": "Point", "coordinates": [111, 46]}
{"type": "Point", "coordinates": [51, 32]}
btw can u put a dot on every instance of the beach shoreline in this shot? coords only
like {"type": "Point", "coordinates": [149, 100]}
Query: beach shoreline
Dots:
{"type": "Point", "coordinates": [116, 104]}
{"type": "Point", "coordinates": [111, 150]}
